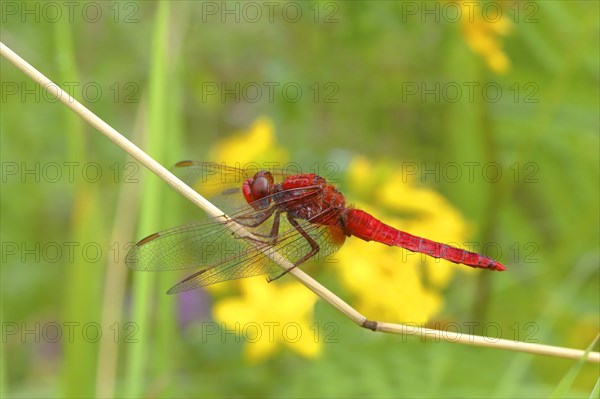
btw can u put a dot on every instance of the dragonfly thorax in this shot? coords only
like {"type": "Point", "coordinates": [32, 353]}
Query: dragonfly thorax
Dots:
{"type": "Point", "coordinates": [309, 197]}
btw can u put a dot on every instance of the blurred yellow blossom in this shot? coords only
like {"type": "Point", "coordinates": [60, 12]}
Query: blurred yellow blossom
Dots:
{"type": "Point", "coordinates": [277, 314]}
{"type": "Point", "coordinates": [389, 283]}
{"type": "Point", "coordinates": [482, 34]}
{"type": "Point", "coordinates": [257, 144]}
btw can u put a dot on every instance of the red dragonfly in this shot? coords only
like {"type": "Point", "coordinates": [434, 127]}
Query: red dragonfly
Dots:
{"type": "Point", "coordinates": [300, 216]}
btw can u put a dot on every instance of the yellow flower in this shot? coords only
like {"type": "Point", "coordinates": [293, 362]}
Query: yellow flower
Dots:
{"type": "Point", "coordinates": [482, 35]}
{"type": "Point", "coordinates": [390, 283]}
{"type": "Point", "coordinates": [275, 314]}
{"type": "Point", "coordinates": [258, 144]}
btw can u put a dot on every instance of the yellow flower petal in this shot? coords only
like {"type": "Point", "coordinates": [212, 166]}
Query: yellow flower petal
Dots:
{"type": "Point", "coordinates": [482, 36]}
{"type": "Point", "coordinates": [282, 312]}
{"type": "Point", "coordinates": [255, 145]}
{"type": "Point", "coordinates": [498, 62]}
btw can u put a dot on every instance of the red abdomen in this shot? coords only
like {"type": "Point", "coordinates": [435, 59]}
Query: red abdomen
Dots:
{"type": "Point", "coordinates": [362, 225]}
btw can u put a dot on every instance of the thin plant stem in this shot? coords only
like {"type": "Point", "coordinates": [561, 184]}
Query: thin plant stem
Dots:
{"type": "Point", "coordinates": [78, 371]}
{"type": "Point", "coordinates": [144, 285]}
{"type": "Point", "coordinates": [596, 391]}
{"type": "Point", "coordinates": [309, 282]}
{"type": "Point", "coordinates": [565, 384]}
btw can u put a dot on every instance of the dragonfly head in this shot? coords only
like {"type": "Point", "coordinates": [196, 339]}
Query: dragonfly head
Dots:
{"type": "Point", "coordinates": [258, 189]}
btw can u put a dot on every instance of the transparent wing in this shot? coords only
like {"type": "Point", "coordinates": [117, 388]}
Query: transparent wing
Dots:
{"type": "Point", "coordinates": [211, 172]}
{"type": "Point", "coordinates": [223, 256]}
{"type": "Point", "coordinates": [251, 261]}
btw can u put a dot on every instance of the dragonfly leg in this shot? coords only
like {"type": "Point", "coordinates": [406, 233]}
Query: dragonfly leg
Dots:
{"type": "Point", "coordinates": [255, 221]}
{"type": "Point", "coordinates": [272, 236]}
{"type": "Point", "coordinates": [274, 233]}
{"type": "Point", "coordinates": [313, 244]}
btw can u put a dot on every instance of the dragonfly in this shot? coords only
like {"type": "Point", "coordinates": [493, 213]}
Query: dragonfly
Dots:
{"type": "Point", "coordinates": [299, 216]}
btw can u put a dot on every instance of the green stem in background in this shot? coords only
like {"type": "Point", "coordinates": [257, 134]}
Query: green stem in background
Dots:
{"type": "Point", "coordinates": [596, 391]}
{"type": "Point", "coordinates": [166, 349]}
{"type": "Point", "coordinates": [82, 281]}
{"type": "Point", "coordinates": [492, 207]}
{"type": "Point", "coordinates": [140, 352]}
{"type": "Point", "coordinates": [166, 313]}
{"type": "Point", "coordinates": [67, 66]}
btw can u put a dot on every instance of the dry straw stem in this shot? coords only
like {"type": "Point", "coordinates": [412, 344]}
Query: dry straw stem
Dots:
{"type": "Point", "coordinates": [310, 283]}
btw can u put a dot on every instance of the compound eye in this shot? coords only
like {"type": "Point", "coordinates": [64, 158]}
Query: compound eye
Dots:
{"type": "Point", "coordinates": [261, 186]}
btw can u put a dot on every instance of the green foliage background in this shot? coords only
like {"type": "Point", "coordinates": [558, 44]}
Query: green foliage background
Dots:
{"type": "Point", "coordinates": [161, 57]}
